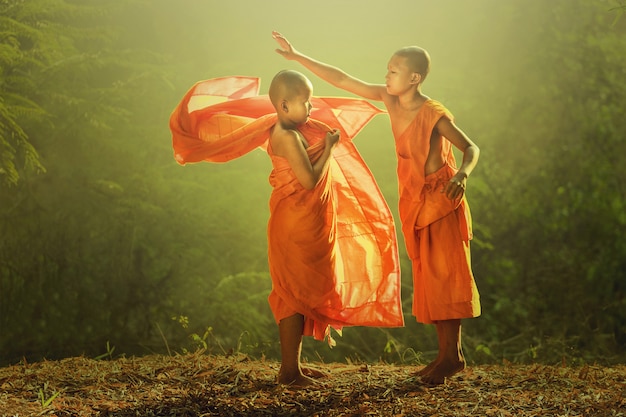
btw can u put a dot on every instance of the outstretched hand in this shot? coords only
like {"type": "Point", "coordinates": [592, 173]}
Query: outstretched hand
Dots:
{"type": "Point", "coordinates": [286, 50]}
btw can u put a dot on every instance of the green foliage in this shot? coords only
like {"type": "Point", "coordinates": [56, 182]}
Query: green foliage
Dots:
{"type": "Point", "coordinates": [239, 316]}
{"type": "Point", "coordinates": [105, 238]}
{"type": "Point", "coordinates": [559, 246]}
{"type": "Point", "coordinates": [103, 242]}
{"type": "Point", "coordinates": [32, 40]}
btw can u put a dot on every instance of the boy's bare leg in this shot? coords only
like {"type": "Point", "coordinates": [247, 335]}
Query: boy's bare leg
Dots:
{"type": "Point", "coordinates": [450, 360]}
{"type": "Point", "coordinates": [426, 370]}
{"type": "Point", "coordinates": [290, 372]}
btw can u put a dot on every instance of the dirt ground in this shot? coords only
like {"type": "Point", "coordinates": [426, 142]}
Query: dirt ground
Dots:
{"type": "Point", "coordinates": [207, 385]}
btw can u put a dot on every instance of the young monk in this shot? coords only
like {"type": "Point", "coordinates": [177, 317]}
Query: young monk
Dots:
{"type": "Point", "coordinates": [433, 210]}
{"type": "Point", "coordinates": [290, 94]}
{"type": "Point", "coordinates": [331, 239]}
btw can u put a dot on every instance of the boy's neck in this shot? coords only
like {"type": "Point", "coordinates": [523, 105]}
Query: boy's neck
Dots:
{"type": "Point", "coordinates": [286, 124]}
{"type": "Point", "coordinates": [412, 100]}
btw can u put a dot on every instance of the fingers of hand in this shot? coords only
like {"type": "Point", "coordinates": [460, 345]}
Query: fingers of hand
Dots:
{"type": "Point", "coordinates": [456, 183]}
{"type": "Point", "coordinates": [454, 189]}
{"type": "Point", "coordinates": [281, 40]}
{"type": "Point", "coordinates": [333, 136]}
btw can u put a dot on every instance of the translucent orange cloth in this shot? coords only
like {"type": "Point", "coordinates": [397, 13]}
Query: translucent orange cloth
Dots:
{"type": "Point", "coordinates": [436, 230]}
{"type": "Point", "coordinates": [333, 255]}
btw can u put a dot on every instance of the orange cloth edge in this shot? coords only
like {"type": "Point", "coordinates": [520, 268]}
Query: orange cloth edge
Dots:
{"type": "Point", "coordinates": [253, 118]}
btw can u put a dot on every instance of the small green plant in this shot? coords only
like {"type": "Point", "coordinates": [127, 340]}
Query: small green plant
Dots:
{"type": "Point", "coordinates": [203, 342]}
{"type": "Point", "coordinates": [410, 356]}
{"type": "Point", "coordinates": [45, 402]}
{"type": "Point", "coordinates": [482, 348]}
{"type": "Point", "coordinates": [245, 334]}
{"type": "Point", "coordinates": [533, 352]}
{"type": "Point", "coordinates": [390, 347]}
{"type": "Point", "coordinates": [108, 353]}
{"type": "Point", "coordinates": [182, 320]}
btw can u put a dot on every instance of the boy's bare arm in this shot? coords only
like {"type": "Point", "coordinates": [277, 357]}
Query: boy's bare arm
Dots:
{"type": "Point", "coordinates": [329, 73]}
{"type": "Point", "coordinates": [470, 150]}
{"type": "Point", "coordinates": [287, 144]}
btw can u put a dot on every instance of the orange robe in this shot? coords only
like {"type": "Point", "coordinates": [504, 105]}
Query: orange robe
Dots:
{"type": "Point", "coordinates": [332, 250]}
{"type": "Point", "coordinates": [436, 230]}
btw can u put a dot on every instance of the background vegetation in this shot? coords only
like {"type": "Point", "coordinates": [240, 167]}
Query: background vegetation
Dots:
{"type": "Point", "coordinates": [109, 247]}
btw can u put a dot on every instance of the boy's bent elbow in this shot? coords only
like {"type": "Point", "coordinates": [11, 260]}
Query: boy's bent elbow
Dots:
{"type": "Point", "coordinates": [308, 180]}
{"type": "Point", "coordinates": [476, 152]}
{"type": "Point", "coordinates": [309, 183]}
{"type": "Point", "coordinates": [472, 151]}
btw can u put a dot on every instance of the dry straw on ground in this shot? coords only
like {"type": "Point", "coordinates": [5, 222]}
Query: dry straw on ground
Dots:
{"type": "Point", "coordinates": [206, 385]}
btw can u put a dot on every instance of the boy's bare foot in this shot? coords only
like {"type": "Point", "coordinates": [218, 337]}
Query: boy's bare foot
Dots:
{"type": "Point", "coordinates": [297, 382]}
{"type": "Point", "coordinates": [314, 373]}
{"type": "Point", "coordinates": [443, 370]}
{"type": "Point", "coordinates": [428, 368]}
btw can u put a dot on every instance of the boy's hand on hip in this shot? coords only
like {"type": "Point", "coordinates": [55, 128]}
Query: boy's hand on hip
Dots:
{"type": "Point", "coordinates": [455, 188]}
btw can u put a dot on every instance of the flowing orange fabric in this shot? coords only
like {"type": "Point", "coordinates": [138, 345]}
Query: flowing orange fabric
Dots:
{"type": "Point", "coordinates": [333, 254]}
{"type": "Point", "coordinates": [436, 230]}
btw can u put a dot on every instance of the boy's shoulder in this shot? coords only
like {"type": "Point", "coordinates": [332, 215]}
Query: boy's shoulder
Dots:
{"type": "Point", "coordinates": [435, 107]}
{"type": "Point", "coordinates": [434, 103]}
{"type": "Point", "coordinates": [277, 131]}
{"type": "Point", "coordinates": [279, 135]}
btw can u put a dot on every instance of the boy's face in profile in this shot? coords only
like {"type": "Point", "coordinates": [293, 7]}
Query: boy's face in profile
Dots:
{"type": "Point", "coordinates": [399, 75]}
{"type": "Point", "coordinates": [300, 105]}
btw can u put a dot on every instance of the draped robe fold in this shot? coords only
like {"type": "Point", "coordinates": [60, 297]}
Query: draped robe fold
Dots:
{"type": "Point", "coordinates": [332, 251]}
{"type": "Point", "coordinates": [436, 230]}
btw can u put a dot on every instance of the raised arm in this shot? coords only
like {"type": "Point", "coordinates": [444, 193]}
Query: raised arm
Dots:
{"type": "Point", "coordinates": [329, 73]}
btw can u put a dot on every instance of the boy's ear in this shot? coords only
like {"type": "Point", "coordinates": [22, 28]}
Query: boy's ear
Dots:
{"type": "Point", "coordinates": [416, 78]}
{"type": "Point", "coordinates": [283, 106]}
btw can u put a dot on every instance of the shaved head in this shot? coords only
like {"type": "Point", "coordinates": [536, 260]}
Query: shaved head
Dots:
{"type": "Point", "coordinates": [288, 84]}
{"type": "Point", "coordinates": [417, 59]}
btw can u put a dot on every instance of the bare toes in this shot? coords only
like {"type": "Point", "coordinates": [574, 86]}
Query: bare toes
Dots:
{"type": "Point", "coordinates": [300, 381]}
{"type": "Point", "coordinates": [314, 373]}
